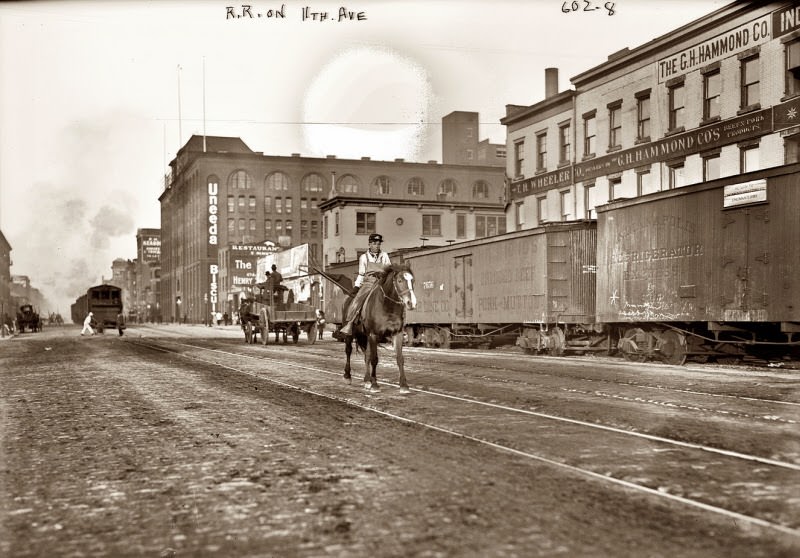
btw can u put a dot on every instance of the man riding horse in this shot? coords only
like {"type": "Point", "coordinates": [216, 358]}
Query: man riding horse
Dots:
{"type": "Point", "coordinates": [372, 261]}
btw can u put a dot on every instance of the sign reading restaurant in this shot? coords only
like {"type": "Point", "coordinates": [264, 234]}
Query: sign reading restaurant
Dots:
{"type": "Point", "coordinates": [721, 46]}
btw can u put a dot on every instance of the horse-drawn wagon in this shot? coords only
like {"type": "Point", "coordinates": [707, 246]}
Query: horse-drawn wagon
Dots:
{"type": "Point", "coordinates": [269, 312]}
{"type": "Point", "coordinates": [27, 317]}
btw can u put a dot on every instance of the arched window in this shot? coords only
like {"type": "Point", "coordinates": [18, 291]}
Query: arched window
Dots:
{"type": "Point", "coordinates": [480, 189]}
{"type": "Point", "coordinates": [347, 184]}
{"type": "Point", "coordinates": [277, 181]}
{"type": "Point", "coordinates": [383, 185]}
{"type": "Point", "coordinates": [313, 183]}
{"type": "Point", "coordinates": [447, 188]}
{"type": "Point", "coordinates": [241, 180]}
{"type": "Point", "coordinates": [416, 186]}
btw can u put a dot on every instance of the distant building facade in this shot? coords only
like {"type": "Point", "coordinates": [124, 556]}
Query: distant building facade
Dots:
{"type": "Point", "coordinates": [146, 298]}
{"type": "Point", "coordinates": [123, 275]}
{"type": "Point", "coordinates": [461, 143]}
{"type": "Point", "coordinates": [6, 307]}
{"type": "Point", "coordinates": [717, 97]}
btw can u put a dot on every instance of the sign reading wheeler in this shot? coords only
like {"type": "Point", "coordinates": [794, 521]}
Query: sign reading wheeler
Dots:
{"type": "Point", "coordinates": [542, 182]}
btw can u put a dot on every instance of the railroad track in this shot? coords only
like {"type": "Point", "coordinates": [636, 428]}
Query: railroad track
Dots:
{"type": "Point", "coordinates": [693, 475]}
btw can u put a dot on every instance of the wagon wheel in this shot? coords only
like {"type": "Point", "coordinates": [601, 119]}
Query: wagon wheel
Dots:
{"type": "Point", "coordinates": [629, 344]}
{"type": "Point", "coordinates": [295, 333]}
{"type": "Point", "coordinates": [673, 347]}
{"type": "Point", "coordinates": [264, 327]}
{"type": "Point", "coordinates": [248, 332]}
{"type": "Point", "coordinates": [312, 332]}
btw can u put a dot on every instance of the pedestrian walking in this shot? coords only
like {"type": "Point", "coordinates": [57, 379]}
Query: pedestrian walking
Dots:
{"type": "Point", "coordinates": [320, 322]}
{"type": "Point", "coordinates": [120, 323]}
{"type": "Point", "coordinates": [87, 324]}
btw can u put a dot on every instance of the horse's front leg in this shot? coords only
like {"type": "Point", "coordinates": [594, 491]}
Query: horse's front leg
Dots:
{"type": "Point", "coordinates": [398, 351]}
{"type": "Point", "coordinates": [371, 364]}
{"type": "Point", "coordinates": [348, 350]}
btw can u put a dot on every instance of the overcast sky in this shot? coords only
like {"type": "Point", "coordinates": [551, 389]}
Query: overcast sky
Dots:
{"type": "Point", "coordinates": [97, 97]}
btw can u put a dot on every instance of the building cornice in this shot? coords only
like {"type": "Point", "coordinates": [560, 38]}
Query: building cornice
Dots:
{"type": "Point", "coordinates": [342, 201]}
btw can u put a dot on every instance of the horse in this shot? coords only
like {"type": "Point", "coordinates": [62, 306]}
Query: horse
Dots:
{"type": "Point", "coordinates": [382, 318]}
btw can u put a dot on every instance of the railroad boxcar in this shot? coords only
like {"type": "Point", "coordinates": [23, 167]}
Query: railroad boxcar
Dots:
{"type": "Point", "coordinates": [535, 286]}
{"type": "Point", "coordinates": [703, 270]}
{"type": "Point", "coordinates": [104, 301]}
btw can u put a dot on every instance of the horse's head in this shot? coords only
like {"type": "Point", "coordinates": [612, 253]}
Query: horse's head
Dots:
{"type": "Point", "coordinates": [403, 283]}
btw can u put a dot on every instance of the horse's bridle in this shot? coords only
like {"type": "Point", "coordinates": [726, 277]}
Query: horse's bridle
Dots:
{"type": "Point", "coordinates": [400, 292]}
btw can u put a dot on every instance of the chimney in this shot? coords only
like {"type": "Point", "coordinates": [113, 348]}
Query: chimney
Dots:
{"type": "Point", "coordinates": [550, 82]}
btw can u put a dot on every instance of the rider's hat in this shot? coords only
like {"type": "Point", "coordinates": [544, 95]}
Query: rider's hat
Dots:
{"type": "Point", "coordinates": [375, 237]}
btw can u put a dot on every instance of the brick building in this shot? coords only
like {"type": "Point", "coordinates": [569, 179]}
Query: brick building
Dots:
{"type": "Point", "coordinates": [717, 97]}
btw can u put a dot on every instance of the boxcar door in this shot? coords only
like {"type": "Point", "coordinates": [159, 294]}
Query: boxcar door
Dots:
{"type": "Point", "coordinates": [462, 276]}
{"type": "Point", "coordinates": [745, 263]}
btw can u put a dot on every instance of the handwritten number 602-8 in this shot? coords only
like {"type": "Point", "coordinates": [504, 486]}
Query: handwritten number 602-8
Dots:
{"type": "Point", "coordinates": [575, 6]}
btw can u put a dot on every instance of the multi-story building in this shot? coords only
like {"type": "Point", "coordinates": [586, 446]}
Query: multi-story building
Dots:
{"type": "Point", "coordinates": [222, 200]}
{"type": "Point", "coordinates": [717, 97]}
{"type": "Point", "coordinates": [6, 309]}
{"type": "Point", "coordinates": [146, 300]}
{"type": "Point", "coordinates": [461, 144]}
{"type": "Point", "coordinates": [411, 204]}
{"type": "Point", "coordinates": [123, 275]}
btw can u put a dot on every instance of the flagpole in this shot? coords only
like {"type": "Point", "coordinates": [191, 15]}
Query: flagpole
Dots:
{"type": "Point", "coordinates": [180, 125]}
{"type": "Point", "coordinates": [204, 104]}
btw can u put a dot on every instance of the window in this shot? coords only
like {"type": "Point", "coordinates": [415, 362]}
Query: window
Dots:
{"type": "Point", "coordinates": [251, 203]}
{"type": "Point", "coordinates": [541, 152]}
{"type": "Point", "coordinates": [277, 181]}
{"type": "Point", "coordinates": [711, 166]}
{"type": "Point", "coordinates": [314, 229]}
{"type": "Point", "coordinates": [677, 95]}
{"type": "Point", "coordinates": [278, 205]}
{"type": "Point", "coordinates": [336, 224]}
{"type": "Point", "coordinates": [519, 158]}
{"type": "Point", "coordinates": [431, 225]}
{"type": "Point", "coordinates": [469, 154]}
{"type": "Point", "coordinates": [241, 180]}
{"type": "Point", "coordinates": [589, 134]}
{"type": "Point", "coordinates": [383, 185]}
{"type": "Point", "coordinates": [614, 185]}
{"type": "Point", "coordinates": [447, 188]}
{"type": "Point", "coordinates": [416, 187]}
{"type": "Point", "coordinates": [242, 203]}
{"type": "Point", "coordinates": [325, 226]}
{"type": "Point", "coordinates": [564, 204]}
{"type": "Point", "coordinates": [643, 117]}
{"type": "Point", "coordinates": [588, 200]}
{"type": "Point", "coordinates": [267, 204]}
{"type": "Point", "coordinates": [287, 205]}
{"type": "Point", "coordinates": [791, 149]}
{"type": "Point", "coordinates": [348, 184]}
{"type": "Point", "coordinates": [278, 227]}
{"type": "Point", "coordinates": [677, 176]}
{"type": "Point", "coordinates": [541, 209]}
{"type": "Point", "coordinates": [712, 88]}
{"type": "Point", "coordinates": [644, 182]}
{"type": "Point", "coordinates": [480, 189]}
{"type": "Point", "coordinates": [313, 183]}
{"type": "Point", "coordinates": [615, 125]}
{"type": "Point", "coordinates": [303, 204]}
{"type": "Point", "coordinates": [563, 144]}
{"type": "Point", "coordinates": [231, 226]}
{"type": "Point", "coordinates": [365, 222]}
{"type": "Point", "coordinates": [242, 225]}
{"type": "Point", "coordinates": [461, 225]}
{"type": "Point", "coordinates": [253, 225]}
{"type": "Point", "coordinates": [268, 228]}
{"type": "Point", "coordinates": [749, 157]}
{"type": "Point", "coordinates": [489, 225]}
{"type": "Point", "coordinates": [519, 214]}
{"type": "Point", "coordinates": [287, 227]}
{"type": "Point", "coordinates": [793, 67]}
{"type": "Point", "coordinates": [304, 229]}
{"type": "Point", "coordinates": [751, 86]}
{"type": "Point", "coordinates": [231, 204]}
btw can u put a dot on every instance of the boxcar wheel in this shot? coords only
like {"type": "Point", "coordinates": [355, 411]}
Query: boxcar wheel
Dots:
{"type": "Point", "coordinates": [629, 344]}
{"type": "Point", "coordinates": [673, 347]}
